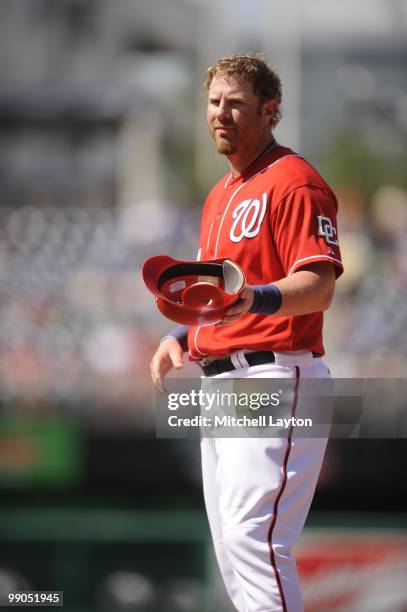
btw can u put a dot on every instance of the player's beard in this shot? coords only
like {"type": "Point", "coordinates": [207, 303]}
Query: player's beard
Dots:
{"type": "Point", "coordinates": [224, 147]}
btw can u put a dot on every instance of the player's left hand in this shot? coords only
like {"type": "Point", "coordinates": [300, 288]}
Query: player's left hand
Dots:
{"type": "Point", "coordinates": [240, 308]}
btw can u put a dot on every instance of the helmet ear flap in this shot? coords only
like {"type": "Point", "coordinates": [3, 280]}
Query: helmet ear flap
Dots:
{"type": "Point", "coordinates": [233, 276]}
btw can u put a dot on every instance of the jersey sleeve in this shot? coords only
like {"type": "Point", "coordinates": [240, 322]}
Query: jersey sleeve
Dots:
{"type": "Point", "coordinates": [304, 228]}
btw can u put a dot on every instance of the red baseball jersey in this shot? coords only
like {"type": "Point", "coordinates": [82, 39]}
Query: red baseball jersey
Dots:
{"type": "Point", "coordinates": [275, 218]}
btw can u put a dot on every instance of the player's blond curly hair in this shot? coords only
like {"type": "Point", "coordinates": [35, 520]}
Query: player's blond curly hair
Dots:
{"type": "Point", "coordinates": [253, 68]}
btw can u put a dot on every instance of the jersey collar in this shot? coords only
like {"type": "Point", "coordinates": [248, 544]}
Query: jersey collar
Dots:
{"type": "Point", "coordinates": [261, 163]}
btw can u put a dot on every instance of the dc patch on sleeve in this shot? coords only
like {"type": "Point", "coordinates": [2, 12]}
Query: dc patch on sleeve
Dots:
{"type": "Point", "coordinates": [327, 230]}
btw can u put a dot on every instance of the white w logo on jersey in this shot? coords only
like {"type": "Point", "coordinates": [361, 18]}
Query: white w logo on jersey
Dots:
{"type": "Point", "coordinates": [248, 216]}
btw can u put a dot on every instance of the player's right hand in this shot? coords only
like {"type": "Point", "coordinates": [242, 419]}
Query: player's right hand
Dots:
{"type": "Point", "coordinates": [168, 355]}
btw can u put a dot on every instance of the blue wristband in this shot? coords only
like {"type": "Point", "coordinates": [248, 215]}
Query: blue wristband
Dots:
{"type": "Point", "coordinates": [180, 333]}
{"type": "Point", "coordinates": [267, 299]}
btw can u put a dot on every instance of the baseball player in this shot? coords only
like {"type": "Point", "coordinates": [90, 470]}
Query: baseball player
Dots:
{"type": "Point", "coordinates": [275, 216]}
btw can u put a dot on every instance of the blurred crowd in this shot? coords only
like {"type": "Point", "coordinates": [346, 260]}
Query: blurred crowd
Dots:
{"type": "Point", "coordinates": [76, 320]}
{"type": "Point", "coordinates": [366, 330]}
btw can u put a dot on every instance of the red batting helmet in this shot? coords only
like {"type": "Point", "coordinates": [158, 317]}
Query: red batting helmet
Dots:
{"type": "Point", "coordinates": [193, 292]}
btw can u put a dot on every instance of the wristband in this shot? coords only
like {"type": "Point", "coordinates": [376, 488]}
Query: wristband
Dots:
{"type": "Point", "coordinates": [180, 333]}
{"type": "Point", "coordinates": [267, 299]}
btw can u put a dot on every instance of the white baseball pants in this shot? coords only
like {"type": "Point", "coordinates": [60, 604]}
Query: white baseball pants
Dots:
{"type": "Point", "coordinates": [258, 492]}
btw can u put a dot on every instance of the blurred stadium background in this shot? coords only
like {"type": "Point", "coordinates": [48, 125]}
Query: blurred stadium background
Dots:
{"type": "Point", "coordinates": [104, 161]}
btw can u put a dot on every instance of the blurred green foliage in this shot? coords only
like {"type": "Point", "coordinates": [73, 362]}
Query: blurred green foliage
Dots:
{"type": "Point", "coordinates": [352, 161]}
